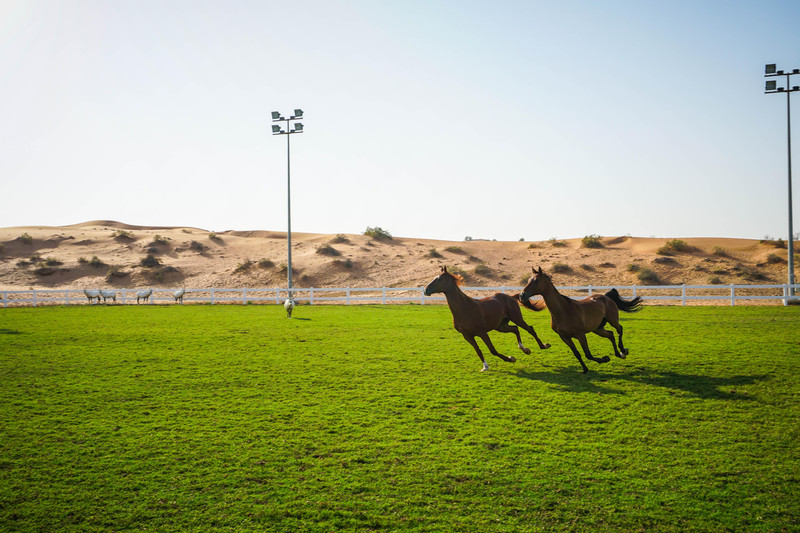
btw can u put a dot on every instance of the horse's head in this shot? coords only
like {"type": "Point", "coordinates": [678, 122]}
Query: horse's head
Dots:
{"type": "Point", "coordinates": [537, 284]}
{"type": "Point", "coordinates": [443, 282]}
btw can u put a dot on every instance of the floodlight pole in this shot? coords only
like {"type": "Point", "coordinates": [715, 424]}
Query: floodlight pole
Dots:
{"type": "Point", "coordinates": [771, 88]}
{"type": "Point", "coordinates": [292, 126]}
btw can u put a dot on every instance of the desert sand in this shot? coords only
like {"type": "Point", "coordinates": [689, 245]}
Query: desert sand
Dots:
{"type": "Point", "coordinates": [100, 254]}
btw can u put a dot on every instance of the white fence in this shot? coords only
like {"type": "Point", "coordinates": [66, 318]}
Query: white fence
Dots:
{"type": "Point", "coordinates": [660, 294]}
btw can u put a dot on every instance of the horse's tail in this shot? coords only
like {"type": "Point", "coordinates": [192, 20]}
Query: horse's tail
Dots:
{"type": "Point", "coordinates": [538, 305]}
{"type": "Point", "coordinates": [629, 306]}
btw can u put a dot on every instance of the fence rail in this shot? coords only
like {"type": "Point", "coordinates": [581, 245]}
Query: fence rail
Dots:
{"type": "Point", "coordinates": [666, 294]}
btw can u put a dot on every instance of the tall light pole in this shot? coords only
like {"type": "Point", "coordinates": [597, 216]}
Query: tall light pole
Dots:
{"type": "Point", "coordinates": [292, 126]}
{"type": "Point", "coordinates": [770, 71]}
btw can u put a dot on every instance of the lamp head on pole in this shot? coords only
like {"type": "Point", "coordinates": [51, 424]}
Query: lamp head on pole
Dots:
{"type": "Point", "coordinates": [276, 115]}
{"type": "Point", "coordinates": [770, 69]}
{"type": "Point", "coordinates": [298, 113]}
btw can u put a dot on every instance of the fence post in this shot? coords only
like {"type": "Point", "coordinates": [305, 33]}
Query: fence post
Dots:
{"type": "Point", "coordinates": [786, 295]}
{"type": "Point", "coordinates": [212, 296]}
{"type": "Point", "coordinates": [66, 297]}
{"type": "Point", "coordinates": [422, 296]}
{"type": "Point", "coordinates": [590, 290]}
{"type": "Point", "coordinates": [244, 296]}
{"type": "Point", "coordinates": [683, 294]}
{"type": "Point", "coordinates": [383, 298]}
{"type": "Point", "coordinates": [311, 296]}
{"type": "Point", "coordinates": [348, 295]}
{"type": "Point", "coordinates": [733, 295]}
{"type": "Point", "coordinates": [35, 302]}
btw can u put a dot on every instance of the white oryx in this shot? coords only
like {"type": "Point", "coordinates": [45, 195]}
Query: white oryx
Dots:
{"type": "Point", "coordinates": [143, 295]}
{"type": "Point", "coordinates": [179, 295]}
{"type": "Point", "coordinates": [91, 295]}
{"type": "Point", "coordinates": [106, 294]}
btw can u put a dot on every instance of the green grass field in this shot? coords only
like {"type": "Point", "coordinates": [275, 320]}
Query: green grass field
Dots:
{"type": "Point", "coordinates": [175, 418]}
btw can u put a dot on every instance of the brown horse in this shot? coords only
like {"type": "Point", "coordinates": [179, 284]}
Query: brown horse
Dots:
{"type": "Point", "coordinates": [573, 319]}
{"type": "Point", "coordinates": [475, 318]}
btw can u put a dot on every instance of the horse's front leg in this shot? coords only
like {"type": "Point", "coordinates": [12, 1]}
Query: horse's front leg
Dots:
{"type": "Point", "coordinates": [474, 344]}
{"type": "Point", "coordinates": [568, 341]}
{"type": "Point", "coordinates": [488, 342]}
{"type": "Point", "coordinates": [505, 327]}
{"type": "Point", "coordinates": [585, 346]}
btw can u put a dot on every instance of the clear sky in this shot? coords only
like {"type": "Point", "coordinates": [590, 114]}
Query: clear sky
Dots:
{"type": "Point", "coordinates": [434, 119]}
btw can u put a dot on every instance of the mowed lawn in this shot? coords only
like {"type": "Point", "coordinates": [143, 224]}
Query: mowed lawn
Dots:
{"type": "Point", "coordinates": [369, 418]}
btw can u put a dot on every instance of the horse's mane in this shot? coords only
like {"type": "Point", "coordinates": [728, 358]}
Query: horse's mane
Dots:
{"type": "Point", "coordinates": [458, 278]}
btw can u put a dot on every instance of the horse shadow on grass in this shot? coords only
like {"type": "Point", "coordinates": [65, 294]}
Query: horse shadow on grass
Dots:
{"type": "Point", "coordinates": [700, 386]}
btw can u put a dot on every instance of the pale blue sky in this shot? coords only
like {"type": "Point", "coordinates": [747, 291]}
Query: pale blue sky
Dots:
{"type": "Point", "coordinates": [499, 120]}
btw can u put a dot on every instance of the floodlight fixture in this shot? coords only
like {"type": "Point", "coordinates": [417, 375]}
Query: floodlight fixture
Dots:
{"type": "Point", "coordinates": [276, 115]}
{"type": "Point", "coordinates": [276, 129]}
{"type": "Point", "coordinates": [298, 128]}
{"type": "Point", "coordinates": [770, 69]}
{"type": "Point", "coordinates": [771, 86]}
{"type": "Point", "coordinates": [298, 113]}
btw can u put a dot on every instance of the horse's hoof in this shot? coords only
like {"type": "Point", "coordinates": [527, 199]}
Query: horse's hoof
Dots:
{"type": "Point", "coordinates": [526, 351]}
{"type": "Point", "coordinates": [511, 359]}
{"type": "Point", "coordinates": [605, 359]}
{"type": "Point", "coordinates": [545, 346]}
{"type": "Point", "coordinates": [622, 355]}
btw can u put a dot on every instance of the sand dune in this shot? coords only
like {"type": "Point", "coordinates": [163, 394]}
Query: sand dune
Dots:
{"type": "Point", "coordinates": [106, 253]}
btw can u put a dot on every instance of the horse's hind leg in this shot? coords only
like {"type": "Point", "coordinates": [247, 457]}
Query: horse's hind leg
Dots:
{"type": "Point", "coordinates": [516, 318]}
{"type": "Point", "coordinates": [505, 327]}
{"type": "Point", "coordinates": [601, 331]}
{"type": "Point", "coordinates": [474, 344]}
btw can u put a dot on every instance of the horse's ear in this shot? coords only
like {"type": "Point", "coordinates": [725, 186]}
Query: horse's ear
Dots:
{"type": "Point", "coordinates": [540, 270]}
{"type": "Point", "coordinates": [444, 270]}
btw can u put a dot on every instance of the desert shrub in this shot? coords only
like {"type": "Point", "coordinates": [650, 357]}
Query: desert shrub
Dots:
{"type": "Point", "coordinates": [608, 265]}
{"type": "Point", "coordinates": [533, 245]}
{"type": "Point", "coordinates": [588, 268]}
{"type": "Point", "coordinates": [96, 262]}
{"type": "Point", "coordinates": [664, 260]}
{"type": "Point", "coordinates": [265, 263]}
{"type": "Point", "coordinates": [123, 235]}
{"type": "Point", "coordinates": [214, 237]}
{"type": "Point", "coordinates": [524, 280]}
{"type": "Point", "coordinates": [44, 270]}
{"type": "Point", "coordinates": [468, 238]}
{"type": "Point", "coordinates": [674, 246]}
{"type": "Point", "coordinates": [340, 238]}
{"type": "Point", "coordinates": [377, 233]}
{"type": "Point", "coordinates": [433, 254]}
{"type": "Point", "coordinates": [648, 277]}
{"type": "Point", "coordinates": [777, 243]}
{"type": "Point", "coordinates": [328, 250]}
{"type": "Point", "coordinates": [83, 261]}
{"type": "Point", "coordinates": [482, 270]}
{"type": "Point", "coordinates": [348, 263]}
{"type": "Point", "coordinates": [158, 239]}
{"type": "Point", "coordinates": [749, 274]}
{"type": "Point", "coordinates": [454, 250]}
{"type": "Point", "coordinates": [52, 261]}
{"type": "Point", "coordinates": [522, 239]}
{"type": "Point", "coordinates": [715, 280]}
{"type": "Point", "coordinates": [560, 268]}
{"type": "Point", "coordinates": [25, 239]}
{"type": "Point", "coordinates": [719, 251]}
{"type": "Point", "coordinates": [555, 242]}
{"type": "Point", "coordinates": [592, 241]}
{"type": "Point", "coordinates": [243, 267]}
{"type": "Point", "coordinates": [196, 246]}
{"type": "Point", "coordinates": [774, 259]}
{"type": "Point", "coordinates": [150, 261]}
{"type": "Point", "coordinates": [115, 272]}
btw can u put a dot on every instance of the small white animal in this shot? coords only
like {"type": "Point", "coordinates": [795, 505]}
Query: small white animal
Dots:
{"type": "Point", "coordinates": [179, 295]}
{"type": "Point", "coordinates": [143, 295]}
{"type": "Point", "coordinates": [91, 295]}
{"type": "Point", "coordinates": [288, 305]}
{"type": "Point", "coordinates": [108, 294]}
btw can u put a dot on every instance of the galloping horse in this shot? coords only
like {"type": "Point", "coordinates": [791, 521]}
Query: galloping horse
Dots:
{"type": "Point", "coordinates": [573, 319]}
{"type": "Point", "coordinates": [475, 318]}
